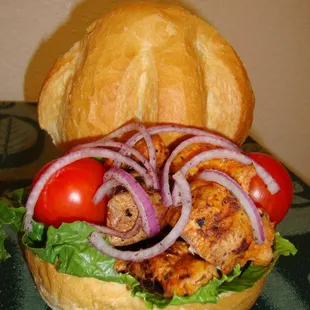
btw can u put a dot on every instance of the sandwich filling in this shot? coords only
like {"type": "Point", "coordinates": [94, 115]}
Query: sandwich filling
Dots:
{"type": "Point", "coordinates": [180, 225]}
{"type": "Point", "coordinates": [217, 237]}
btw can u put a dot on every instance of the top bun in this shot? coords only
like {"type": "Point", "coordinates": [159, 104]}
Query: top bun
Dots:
{"type": "Point", "coordinates": [149, 62]}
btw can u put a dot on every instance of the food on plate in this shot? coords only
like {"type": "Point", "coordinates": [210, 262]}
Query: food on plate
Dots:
{"type": "Point", "coordinates": [182, 236]}
{"type": "Point", "coordinates": [159, 212]}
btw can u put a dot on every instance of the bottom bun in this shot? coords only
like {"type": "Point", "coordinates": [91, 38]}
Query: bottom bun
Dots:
{"type": "Point", "coordinates": [62, 291]}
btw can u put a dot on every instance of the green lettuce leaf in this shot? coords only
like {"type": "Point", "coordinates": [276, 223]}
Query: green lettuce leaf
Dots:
{"type": "Point", "coordinates": [3, 253]}
{"type": "Point", "coordinates": [12, 211]}
{"type": "Point", "coordinates": [68, 246]}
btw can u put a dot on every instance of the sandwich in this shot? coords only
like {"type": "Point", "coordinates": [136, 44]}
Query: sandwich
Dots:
{"type": "Point", "coordinates": [153, 204]}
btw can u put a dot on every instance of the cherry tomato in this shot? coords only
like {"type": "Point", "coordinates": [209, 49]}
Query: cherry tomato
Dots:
{"type": "Point", "coordinates": [67, 195]}
{"type": "Point", "coordinates": [276, 205]}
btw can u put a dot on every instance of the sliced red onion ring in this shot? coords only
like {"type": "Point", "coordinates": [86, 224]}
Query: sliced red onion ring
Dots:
{"type": "Point", "coordinates": [99, 243]}
{"type": "Point", "coordinates": [142, 200]}
{"type": "Point", "coordinates": [104, 190]}
{"type": "Point", "coordinates": [68, 159]}
{"type": "Point", "coordinates": [129, 151]}
{"type": "Point", "coordinates": [144, 133]}
{"type": "Point", "coordinates": [149, 143]}
{"type": "Point", "coordinates": [181, 129]}
{"type": "Point", "coordinates": [123, 235]}
{"type": "Point", "coordinates": [244, 199]}
{"type": "Point", "coordinates": [270, 182]}
{"type": "Point", "coordinates": [165, 189]}
{"type": "Point", "coordinates": [117, 133]}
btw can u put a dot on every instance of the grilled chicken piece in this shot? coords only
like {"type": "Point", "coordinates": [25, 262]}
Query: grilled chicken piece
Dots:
{"type": "Point", "coordinates": [261, 254]}
{"type": "Point", "coordinates": [239, 172]}
{"type": "Point", "coordinates": [123, 214]}
{"type": "Point", "coordinates": [162, 152]}
{"type": "Point", "coordinates": [175, 271]}
{"type": "Point", "coordinates": [219, 230]}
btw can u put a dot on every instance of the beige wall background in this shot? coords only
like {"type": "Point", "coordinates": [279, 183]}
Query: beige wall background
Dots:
{"type": "Point", "coordinates": [272, 38]}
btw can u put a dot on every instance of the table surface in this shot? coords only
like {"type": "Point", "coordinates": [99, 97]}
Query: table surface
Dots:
{"type": "Point", "coordinates": [24, 148]}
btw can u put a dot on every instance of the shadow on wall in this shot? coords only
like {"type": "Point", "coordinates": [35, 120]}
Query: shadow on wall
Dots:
{"type": "Point", "coordinates": [60, 41]}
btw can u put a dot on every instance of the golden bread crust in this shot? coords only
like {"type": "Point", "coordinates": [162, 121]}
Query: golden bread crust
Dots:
{"type": "Point", "coordinates": [64, 292]}
{"type": "Point", "coordinates": [150, 62]}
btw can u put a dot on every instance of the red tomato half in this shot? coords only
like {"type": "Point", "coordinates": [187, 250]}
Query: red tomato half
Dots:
{"type": "Point", "coordinates": [67, 196]}
{"type": "Point", "coordinates": [276, 205]}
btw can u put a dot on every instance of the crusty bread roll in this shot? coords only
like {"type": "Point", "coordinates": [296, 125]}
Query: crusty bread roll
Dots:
{"type": "Point", "coordinates": [154, 63]}
{"type": "Point", "coordinates": [150, 62]}
{"type": "Point", "coordinates": [62, 291]}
